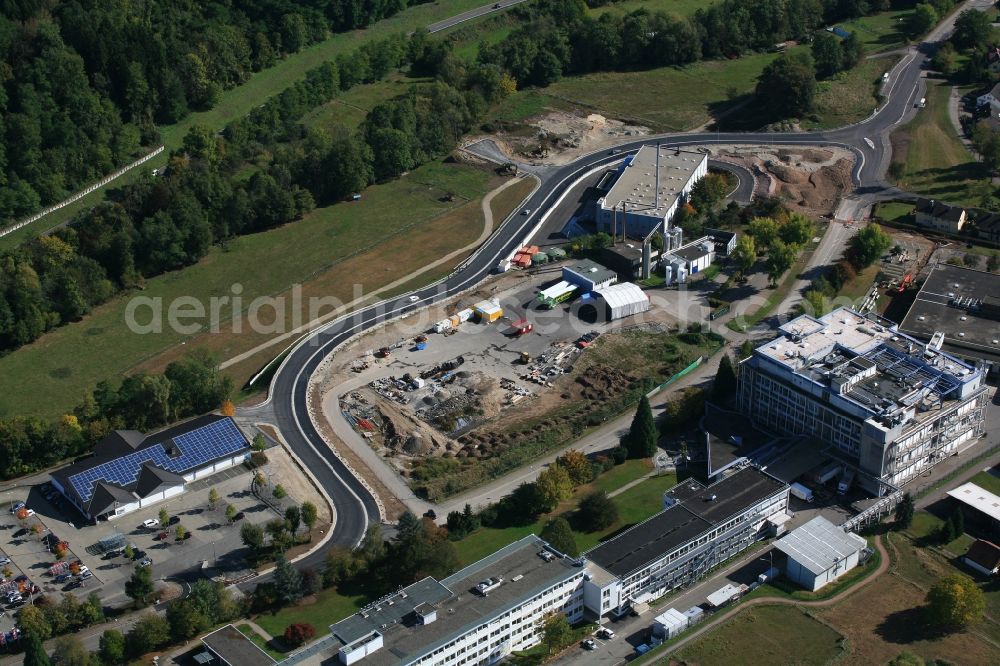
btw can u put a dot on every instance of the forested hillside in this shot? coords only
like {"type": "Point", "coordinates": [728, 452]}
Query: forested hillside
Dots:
{"type": "Point", "coordinates": [85, 82]}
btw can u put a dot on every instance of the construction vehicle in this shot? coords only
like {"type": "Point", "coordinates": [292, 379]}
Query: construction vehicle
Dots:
{"type": "Point", "coordinates": [524, 358]}
{"type": "Point", "coordinates": [521, 327]}
{"type": "Point", "coordinates": [384, 352]}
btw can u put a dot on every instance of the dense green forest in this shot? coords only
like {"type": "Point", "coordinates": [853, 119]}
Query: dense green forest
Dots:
{"type": "Point", "coordinates": [85, 82]}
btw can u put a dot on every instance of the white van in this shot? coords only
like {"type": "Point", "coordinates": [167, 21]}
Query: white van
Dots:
{"type": "Point", "coordinates": [922, 103]}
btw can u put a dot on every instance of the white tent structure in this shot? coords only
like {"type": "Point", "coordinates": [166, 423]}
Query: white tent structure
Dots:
{"type": "Point", "coordinates": [623, 300]}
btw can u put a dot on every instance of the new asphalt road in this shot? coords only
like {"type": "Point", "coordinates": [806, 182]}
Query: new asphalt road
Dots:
{"type": "Point", "coordinates": [355, 506]}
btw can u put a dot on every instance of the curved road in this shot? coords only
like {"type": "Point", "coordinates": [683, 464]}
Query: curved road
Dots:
{"type": "Point", "coordinates": [354, 505]}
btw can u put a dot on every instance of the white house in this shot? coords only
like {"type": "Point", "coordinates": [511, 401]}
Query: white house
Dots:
{"type": "Point", "coordinates": [984, 557]}
{"type": "Point", "coordinates": [819, 553]}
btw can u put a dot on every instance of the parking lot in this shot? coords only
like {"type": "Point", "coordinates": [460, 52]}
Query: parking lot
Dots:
{"type": "Point", "coordinates": [211, 543]}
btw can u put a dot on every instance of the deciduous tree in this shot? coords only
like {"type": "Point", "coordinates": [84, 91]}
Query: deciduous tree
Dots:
{"type": "Point", "coordinates": [554, 486]}
{"type": "Point", "coordinates": [597, 511]}
{"type": "Point", "coordinates": [558, 534]}
{"type": "Point", "coordinates": [578, 466]}
{"type": "Point", "coordinates": [955, 601]}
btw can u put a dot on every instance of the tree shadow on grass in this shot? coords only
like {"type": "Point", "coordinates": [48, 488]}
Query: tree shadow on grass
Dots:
{"type": "Point", "coordinates": [907, 626]}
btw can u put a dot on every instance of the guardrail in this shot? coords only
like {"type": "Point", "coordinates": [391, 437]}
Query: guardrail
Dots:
{"type": "Point", "coordinates": [79, 195]}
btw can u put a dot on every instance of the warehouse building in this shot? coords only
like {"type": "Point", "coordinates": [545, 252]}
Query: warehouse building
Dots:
{"type": "Point", "coordinates": [700, 527]}
{"type": "Point", "coordinates": [876, 399]}
{"type": "Point", "coordinates": [588, 275]}
{"type": "Point", "coordinates": [478, 615]}
{"type": "Point", "coordinates": [614, 302]}
{"type": "Point", "coordinates": [980, 506]}
{"type": "Point", "coordinates": [960, 304]}
{"type": "Point", "coordinates": [130, 471]}
{"type": "Point", "coordinates": [819, 553]}
{"type": "Point", "coordinates": [650, 187]}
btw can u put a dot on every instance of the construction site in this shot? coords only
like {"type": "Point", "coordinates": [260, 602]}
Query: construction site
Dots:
{"type": "Point", "coordinates": [447, 406]}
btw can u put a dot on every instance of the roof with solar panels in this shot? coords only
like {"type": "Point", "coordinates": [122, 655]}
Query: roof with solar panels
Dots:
{"type": "Point", "coordinates": [127, 466]}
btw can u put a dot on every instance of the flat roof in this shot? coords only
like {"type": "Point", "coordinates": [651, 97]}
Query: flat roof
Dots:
{"type": "Point", "coordinates": [459, 608]}
{"type": "Point", "coordinates": [591, 270]}
{"type": "Point", "coordinates": [235, 649]}
{"type": "Point", "coordinates": [636, 184]}
{"type": "Point", "coordinates": [694, 513]}
{"type": "Point", "coordinates": [865, 361]}
{"type": "Point", "coordinates": [978, 498]}
{"type": "Point", "coordinates": [819, 544]}
{"type": "Point", "coordinates": [966, 332]}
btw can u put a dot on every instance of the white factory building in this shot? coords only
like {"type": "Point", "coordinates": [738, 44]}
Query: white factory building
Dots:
{"type": "Point", "coordinates": [650, 187]}
{"type": "Point", "coordinates": [819, 553]}
{"type": "Point", "coordinates": [879, 401]}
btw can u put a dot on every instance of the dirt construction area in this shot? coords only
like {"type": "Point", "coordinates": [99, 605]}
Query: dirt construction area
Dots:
{"type": "Point", "coordinates": [446, 411]}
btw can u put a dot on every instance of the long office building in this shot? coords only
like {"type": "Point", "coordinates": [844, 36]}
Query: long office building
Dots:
{"type": "Point", "coordinates": [478, 615]}
{"type": "Point", "coordinates": [880, 401]}
{"type": "Point", "coordinates": [700, 527]}
{"type": "Point", "coordinates": [498, 605]}
{"type": "Point", "coordinates": [650, 187]}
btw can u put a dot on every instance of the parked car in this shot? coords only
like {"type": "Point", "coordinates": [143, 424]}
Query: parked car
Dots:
{"type": "Point", "coordinates": [4, 560]}
{"type": "Point", "coordinates": [589, 644]}
{"type": "Point", "coordinates": [605, 633]}
{"type": "Point", "coordinates": [84, 575]}
{"type": "Point", "coordinates": [62, 578]}
{"type": "Point", "coordinates": [150, 523]}
{"type": "Point", "coordinates": [146, 563]}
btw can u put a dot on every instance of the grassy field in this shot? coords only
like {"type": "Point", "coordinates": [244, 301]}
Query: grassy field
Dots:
{"type": "Point", "coordinates": [850, 96]}
{"type": "Point", "coordinates": [320, 611]}
{"type": "Point", "coordinates": [634, 505]}
{"type": "Point", "coordinates": [260, 641]}
{"type": "Point", "coordinates": [935, 162]}
{"type": "Point", "coordinates": [885, 618]}
{"type": "Point", "coordinates": [397, 228]}
{"type": "Point", "coordinates": [987, 481]}
{"type": "Point", "coordinates": [237, 102]}
{"type": "Point", "coordinates": [668, 98]}
{"type": "Point", "coordinates": [675, 7]}
{"type": "Point", "coordinates": [764, 636]}
{"type": "Point", "coordinates": [894, 211]}
{"type": "Point", "coordinates": [881, 31]}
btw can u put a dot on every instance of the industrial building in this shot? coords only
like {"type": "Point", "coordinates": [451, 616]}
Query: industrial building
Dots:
{"type": "Point", "coordinates": [980, 507]}
{"type": "Point", "coordinates": [130, 471]}
{"type": "Point", "coordinates": [688, 260]}
{"type": "Point", "coordinates": [478, 615]}
{"type": "Point", "coordinates": [630, 261]}
{"type": "Point", "coordinates": [962, 305]}
{"type": "Point", "coordinates": [588, 275]}
{"type": "Point", "coordinates": [614, 302]}
{"type": "Point", "coordinates": [819, 553]}
{"type": "Point", "coordinates": [650, 187]}
{"type": "Point", "coordinates": [725, 241]}
{"type": "Point", "coordinates": [700, 527]}
{"type": "Point", "coordinates": [881, 402]}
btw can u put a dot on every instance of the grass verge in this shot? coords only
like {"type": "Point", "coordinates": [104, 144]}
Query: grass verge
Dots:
{"type": "Point", "coordinates": [767, 635]}
{"type": "Point", "coordinates": [397, 228]}
{"type": "Point", "coordinates": [935, 162]}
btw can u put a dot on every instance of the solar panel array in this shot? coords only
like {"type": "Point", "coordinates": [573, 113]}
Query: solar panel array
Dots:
{"type": "Point", "coordinates": [216, 440]}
